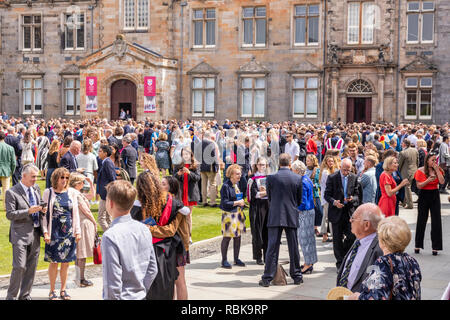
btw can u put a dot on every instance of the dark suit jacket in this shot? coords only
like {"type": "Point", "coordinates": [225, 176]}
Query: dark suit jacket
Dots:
{"type": "Point", "coordinates": [15, 143]}
{"type": "Point", "coordinates": [335, 191]}
{"type": "Point", "coordinates": [129, 158]}
{"type": "Point", "coordinates": [284, 190]}
{"type": "Point", "coordinates": [208, 157]}
{"type": "Point", "coordinates": [106, 174]}
{"type": "Point", "coordinates": [148, 138]}
{"type": "Point", "coordinates": [17, 204]}
{"type": "Point", "coordinates": [372, 254]}
{"type": "Point", "coordinates": [69, 162]}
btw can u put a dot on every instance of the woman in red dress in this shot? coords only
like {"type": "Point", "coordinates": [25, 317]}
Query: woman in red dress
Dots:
{"type": "Point", "coordinates": [188, 173]}
{"type": "Point", "coordinates": [389, 187]}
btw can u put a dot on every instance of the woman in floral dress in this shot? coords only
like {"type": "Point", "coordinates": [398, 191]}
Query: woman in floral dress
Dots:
{"type": "Point", "coordinates": [61, 228]}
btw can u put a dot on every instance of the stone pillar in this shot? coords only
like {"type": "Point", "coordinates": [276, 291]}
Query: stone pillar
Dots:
{"type": "Point", "coordinates": [334, 93]}
{"type": "Point", "coordinates": [381, 77]}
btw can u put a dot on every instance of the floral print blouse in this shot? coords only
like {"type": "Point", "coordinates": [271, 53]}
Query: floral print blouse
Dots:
{"type": "Point", "coordinates": [404, 282]}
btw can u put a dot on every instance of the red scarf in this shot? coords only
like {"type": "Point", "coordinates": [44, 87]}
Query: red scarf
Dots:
{"type": "Point", "coordinates": [185, 199]}
{"type": "Point", "coordinates": [164, 219]}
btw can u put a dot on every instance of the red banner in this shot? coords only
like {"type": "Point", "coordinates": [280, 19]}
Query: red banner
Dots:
{"type": "Point", "coordinates": [149, 86]}
{"type": "Point", "coordinates": [91, 86]}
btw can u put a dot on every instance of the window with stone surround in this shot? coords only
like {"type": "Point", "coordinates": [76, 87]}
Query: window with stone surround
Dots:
{"type": "Point", "coordinates": [420, 17]}
{"type": "Point", "coordinates": [361, 22]}
{"type": "Point", "coordinates": [204, 26]}
{"type": "Point", "coordinates": [32, 95]}
{"type": "Point", "coordinates": [74, 31]}
{"type": "Point", "coordinates": [31, 28]}
{"type": "Point", "coordinates": [418, 97]}
{"type": "Point", "coordinates": [72, 96]}
{"type": "Point", "coordinates": [136, 15]}
{"type": "Point", "coordinates": [305, 96]}
{"type": "Point", "coordinates": [203, 96]}
{"type": "Point", "coordinates": [306, 21]}
{"type": "Point", "coordinates": [254, 25]}
{"type": "Point", "coordinates": [253, 96]}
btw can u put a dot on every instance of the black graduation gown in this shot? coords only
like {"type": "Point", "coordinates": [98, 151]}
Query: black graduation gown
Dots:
{"type": "Point", "coordinates": [259, 209]}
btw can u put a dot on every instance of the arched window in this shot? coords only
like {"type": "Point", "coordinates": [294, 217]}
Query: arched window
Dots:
{"type": "Point", "coordinates": [359, 86]}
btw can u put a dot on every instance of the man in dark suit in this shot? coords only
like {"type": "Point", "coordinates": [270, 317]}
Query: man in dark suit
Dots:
{"type": "Point", "coordinates": [208, 168]}
{"type": "Point", "coordinates": [14, 142]}
{"type": "Point", "coordinates": [364, 251]}
{"type": "Point", "coordinates": [128, 158]}
{"type": "Point", "coordinates": [106, 174]}
{"type": "Point", "coordinates": [148, 131]}
{"type": "Point", "coordinates": [23, 207]}
{"type": "Point", "coordinates": [69, 160]}
{"type": "Point", "coordinates": [342, 192]}
{"type": "Point", "coordinates": [284, 190]}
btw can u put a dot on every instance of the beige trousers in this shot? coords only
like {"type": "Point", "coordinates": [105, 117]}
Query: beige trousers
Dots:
{"type": "Point", "coordinates": [104, 219]}
{"type": "Point", "coordinates": [209, 178]}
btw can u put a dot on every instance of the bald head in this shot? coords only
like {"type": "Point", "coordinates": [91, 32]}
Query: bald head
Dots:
{"type": "Point", "coordinates": [365, 220]}
{"type": "Point", "coordinates": [346, 167]}
{"type": "Point", "coordinates": [75, 147]}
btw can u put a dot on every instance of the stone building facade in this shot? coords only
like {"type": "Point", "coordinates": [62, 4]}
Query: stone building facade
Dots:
{"type": "Point", "coordinates": [305, 60]}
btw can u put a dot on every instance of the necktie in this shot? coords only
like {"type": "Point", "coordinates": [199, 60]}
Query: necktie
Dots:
{"type": "Point", "coordinates": [344, 277]}
{"type": "Point", "coordinates": [345, 188]}
{"type": "Point", "coordinates": [35, 215]}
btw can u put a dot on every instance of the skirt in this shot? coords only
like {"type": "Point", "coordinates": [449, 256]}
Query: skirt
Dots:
{"type": "Point", "coordinates": [233, 223]}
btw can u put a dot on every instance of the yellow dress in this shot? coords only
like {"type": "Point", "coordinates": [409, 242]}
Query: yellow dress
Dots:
{"type": "Point", "coordinates": [233, 223]}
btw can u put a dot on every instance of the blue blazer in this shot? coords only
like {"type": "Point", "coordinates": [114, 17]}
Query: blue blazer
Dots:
{"type": "Point", "coordinates": [69, 162]}
{"type": "Point", "coordinates": [106, 174]}
{"type": "Point", "coordinates": [284, 190]}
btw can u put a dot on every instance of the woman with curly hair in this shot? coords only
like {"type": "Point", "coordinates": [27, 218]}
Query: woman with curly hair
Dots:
{"type": "Point", "coordinates": [148, 163]}
{"type": "Point", "coordinates": [159, 209]}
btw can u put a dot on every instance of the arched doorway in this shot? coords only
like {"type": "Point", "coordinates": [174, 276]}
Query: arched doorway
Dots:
{"type": "Point", "coordinates": [123, 96]}
{"type": "Point", "coordinates": [359, 101]}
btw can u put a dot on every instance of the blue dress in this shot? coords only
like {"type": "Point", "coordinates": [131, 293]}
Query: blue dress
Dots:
{"type": "Point", "coordinates": [404, 282]}
{"type": "Point", "coordinates": [62, 247]}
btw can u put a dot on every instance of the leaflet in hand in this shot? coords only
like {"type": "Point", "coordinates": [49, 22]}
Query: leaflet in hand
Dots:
{"type": "Point", "coordinates": [149, 221]}
{"type": "Point", "coordinates": [239, 196]}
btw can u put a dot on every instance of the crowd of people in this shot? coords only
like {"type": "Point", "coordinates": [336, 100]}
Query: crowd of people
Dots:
{"type": "Point", "coordinates": [343, 183]}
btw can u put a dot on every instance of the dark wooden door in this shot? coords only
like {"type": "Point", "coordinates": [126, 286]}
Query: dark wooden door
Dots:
{"type": "Point", "coordinates": [350, 110]}
{"type": "Point", "coordinates": [123, 95]}
{"type": "Point", "coordinates": [359, 109]}
{"type": "Point", "coordinates": [368, 110]}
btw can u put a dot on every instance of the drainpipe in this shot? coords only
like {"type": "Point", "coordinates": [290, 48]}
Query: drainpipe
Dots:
{"type": "Point", "coordinates": [398, 62]}
{"type": "Point", "coordinates": [182, 4]}
{"type": "Point", "coordinates": [92, 7]}
{"type": "Point", "coordinates": [324, 59]}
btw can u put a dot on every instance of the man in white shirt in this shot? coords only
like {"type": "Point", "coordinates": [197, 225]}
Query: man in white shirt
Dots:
{"type": "Point", "coordinates": [292, 148]}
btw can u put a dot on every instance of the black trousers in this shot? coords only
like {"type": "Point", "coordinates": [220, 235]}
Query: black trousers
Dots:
{"type": "Point", "coordinates": [273, 251]}
{"type": "Point", "coordinates": [429, 201]}
{"type": "Point", "coordinates": [343, 238]}
{"type": "Point", "coordinates": [447, 179]}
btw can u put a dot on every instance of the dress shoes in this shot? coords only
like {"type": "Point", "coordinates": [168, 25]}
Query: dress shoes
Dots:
{"type": "Point", "coordinates": [264, 283]}
{"type": "Point", "coordinates": [226, 265]}
{"type": "Point", "coordinates": [298, 281]}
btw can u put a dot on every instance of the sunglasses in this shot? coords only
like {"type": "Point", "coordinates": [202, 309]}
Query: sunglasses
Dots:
{"type": "Point", "coordinates": [64, 178]}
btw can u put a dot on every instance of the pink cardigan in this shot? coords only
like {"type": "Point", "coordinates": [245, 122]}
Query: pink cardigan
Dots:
{"type": "Point", "coordinates": [47, 225]}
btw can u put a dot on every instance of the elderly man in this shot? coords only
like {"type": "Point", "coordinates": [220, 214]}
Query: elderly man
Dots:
{"type": "Point", "coordinates": [365, 249]}
{"type": "Point", "coordinates": [69, 160]}
{"type": "Point", "coordinates": [342, 192]}
{"type": "Point", "coordinates": [23, 204]}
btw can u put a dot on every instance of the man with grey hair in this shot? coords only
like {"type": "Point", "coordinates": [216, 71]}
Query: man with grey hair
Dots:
{"type": "Point", "coordinates": [23, 208]}
{"type": "Point", "coordinates": [364, 251]}
{"type": "Point", "coordinates": [69, 160]}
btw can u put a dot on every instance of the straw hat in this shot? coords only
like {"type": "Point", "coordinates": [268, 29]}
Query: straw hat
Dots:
{"type": "Point", "coordinates": [338, 293]}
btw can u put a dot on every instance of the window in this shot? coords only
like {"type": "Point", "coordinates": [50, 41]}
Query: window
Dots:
{"type": "Point", "coordinates": [420, 16]}
{"type": "Point", "coordinates": [203, 96]}
{"type": "Point", "coordinates": [31, 32]}
{"type": "Point", "coordinates": [305, 96]}
{"type": "Point", "coordinates": [306, 19]}
{"type": "Point", "coordinates": [136, 14]}
{"type": "Point", "coordinates": [74, 31]}
{"type": "Point", "coordinates": [361, 22]}
{"type": "Point", "coordinates": [72, 96]}
{"type": "Point", "coordinates": [419, 98]}
{"type": "Point", "coordinates": [204, 25]}
{"type": "Point", "coordinates": [255, 27]}
{"type": "Point", "coordinates": [253, 96]}
{"type": "Point", "coordinates": [32, 95]}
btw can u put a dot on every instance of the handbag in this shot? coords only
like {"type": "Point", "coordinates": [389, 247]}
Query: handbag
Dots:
{"type": "Point", "coordinates": [97, 250]}
{"type": "Point", "coordinates": [280, 276]}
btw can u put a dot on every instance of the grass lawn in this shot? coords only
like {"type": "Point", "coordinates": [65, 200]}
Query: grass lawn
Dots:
{"type": "Point", "coordinates": [206, 224]}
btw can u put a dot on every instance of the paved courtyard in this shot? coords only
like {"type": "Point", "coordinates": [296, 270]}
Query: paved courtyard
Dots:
{"type": "Point", "coordinates": [207, 281]}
